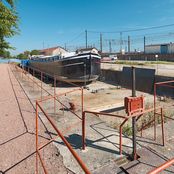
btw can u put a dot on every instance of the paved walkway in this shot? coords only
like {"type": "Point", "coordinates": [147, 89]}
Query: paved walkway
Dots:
{"type": "Point", "coordinates": [17, 131]}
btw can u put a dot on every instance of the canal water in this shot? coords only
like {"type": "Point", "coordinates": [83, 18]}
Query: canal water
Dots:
{"type": "Point", "coordinates": [9, 60]}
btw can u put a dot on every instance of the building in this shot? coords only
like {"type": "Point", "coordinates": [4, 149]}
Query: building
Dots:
{"type": "Point", "coordinates": [87, 50]}
{"type": "Point", "coordinates": [53, 51]}
{"type": "Point", "coordinates": [160, 48]}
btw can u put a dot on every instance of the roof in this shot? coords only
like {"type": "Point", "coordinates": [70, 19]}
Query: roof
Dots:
{"type": "Point", "coordinates": [49, 49]}
{"type": "Point", "coordinates": [87, 49]}
{"type": "Point", "coordinates": [160, 44]}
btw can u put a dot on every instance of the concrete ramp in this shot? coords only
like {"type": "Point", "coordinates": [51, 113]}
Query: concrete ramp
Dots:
{"type": "Point", "coordinates": [144, 79]}
{"type": "Point", "coordinates": [102, 146]}
{"type": "Point", "coordinates": [109, 108]}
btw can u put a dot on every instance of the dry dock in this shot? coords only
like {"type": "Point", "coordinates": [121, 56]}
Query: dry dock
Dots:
{"type": "Point", "coordinates": [18, 95]}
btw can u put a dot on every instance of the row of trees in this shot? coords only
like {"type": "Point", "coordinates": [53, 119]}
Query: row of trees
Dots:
{"type": "Point", "coordinates": [26, 54]}
{"type": "Point", "coordinates": [8, 25]}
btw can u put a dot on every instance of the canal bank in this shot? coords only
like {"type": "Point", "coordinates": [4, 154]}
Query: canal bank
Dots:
{"type": "Point", "coordinates": [17, 130]}
{"type": "Point", "coordinates": [145, 78]}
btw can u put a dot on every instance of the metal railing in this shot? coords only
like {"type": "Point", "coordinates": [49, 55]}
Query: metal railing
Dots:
{"type": "Point", "coordinates": [158, 111]}
{"type": "Point", "coordinates": [125, 119]}
{"type": "Point", "coordinates": [53, 96]}
{"type": "Point", "coordinates": [59, 134]}
{"type": "Point", "coordinates": [162, 167]}
{"type": "Point", "coordinates": [171, 161]}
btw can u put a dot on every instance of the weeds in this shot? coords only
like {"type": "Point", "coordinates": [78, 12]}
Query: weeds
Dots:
{"type": "Point", "coordinates": [127, 130]}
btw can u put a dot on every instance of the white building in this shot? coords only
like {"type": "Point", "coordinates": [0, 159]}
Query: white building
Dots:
{"type": "Point", "coordinates": [160, 48]}
{"type": "Point", "coordinates": [53, 51]}
{"type": "Point", "coordinates": [87, 50]}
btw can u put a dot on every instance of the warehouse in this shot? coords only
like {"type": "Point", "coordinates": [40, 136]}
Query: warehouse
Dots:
{"type": "Point", "coordinates": [160, 48]}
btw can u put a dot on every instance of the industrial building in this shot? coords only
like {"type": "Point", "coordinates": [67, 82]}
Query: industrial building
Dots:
{"type": "Point", "coordinates": [160, 48]}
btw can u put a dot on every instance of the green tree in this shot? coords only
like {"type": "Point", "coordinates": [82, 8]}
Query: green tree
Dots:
{"type": "Point", "coordinates": [24, 55]}
{"type": "Point", "coordinates": [21, 56]}
{"type": "Point", "coordinates": [7, 54]}
{"type": "Point", "coordinates": [8, 24]}
{"type": "Point", "coordinates": [34, 52]}
{"type": "Point", "coordinates": [27, 53]}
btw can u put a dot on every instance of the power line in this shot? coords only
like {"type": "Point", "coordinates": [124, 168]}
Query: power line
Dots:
{"type": "Point", "coordinates": [76, 37]}
{"type": "Point", "coordinates": [133, 30]}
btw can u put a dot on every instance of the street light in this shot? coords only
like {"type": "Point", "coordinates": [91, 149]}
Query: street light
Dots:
{"type": "Point", "coordinates": [156, 57]}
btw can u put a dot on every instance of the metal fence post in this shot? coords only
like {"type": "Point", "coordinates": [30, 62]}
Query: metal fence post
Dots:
{"type": "Point", "coordinates": [41, 84]}
{"type": "Point", "coordinates": [134, 118]}
{"type": "Point", "coordinates": [36, 138]}
{"type": "Point", "coordinates": [33, 79]}
{"type": "Point", "coordinates": [82, 99]}
{"type": "Point", "coordinates": [162, 126]}
{"type": "Point", "coordinates": [54, 95]}
{"type": "Point", "coordinates": [83, 131]}
{"type": "Point", "coordinates": [154, 111]}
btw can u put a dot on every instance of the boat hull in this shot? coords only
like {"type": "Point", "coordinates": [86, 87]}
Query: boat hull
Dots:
{"type": "Point", "coordinates": [82, 68]}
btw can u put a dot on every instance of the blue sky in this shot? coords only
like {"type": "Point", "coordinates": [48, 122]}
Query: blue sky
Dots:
{"type": "Point", "coordinates": [56, 22]}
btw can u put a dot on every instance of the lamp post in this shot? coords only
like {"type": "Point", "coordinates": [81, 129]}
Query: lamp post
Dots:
{"type": "Point", "coordinates": [156, 57]}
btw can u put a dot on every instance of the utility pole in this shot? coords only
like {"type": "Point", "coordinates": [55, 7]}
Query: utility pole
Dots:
{"type": "Point", "coordinates": [128, 44]}
{"type": "Point", "coordinates": [121, 42]}
{"type": "Point", "coordinates": [144, 44]}
{"type": "Point", "coordinates": [134, 130]}
{"type": "Point", "coordinates": [110, 46]}
{"type": "Point", "coordinates": [65, 46]}
{"type": "Point", "coordinates": [86, 38]}
{"type": "Point", "coordinates": [43, 45]}
{"type": "Point", "coordinates": [101, 42]}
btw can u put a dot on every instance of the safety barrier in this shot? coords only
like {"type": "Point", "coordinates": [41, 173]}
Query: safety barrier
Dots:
{"type": "Point", "coordinates": [162, 167]}
{"type": "Point", "coordinates": [59, 133]}
{"type": "Point", "coordinates": [40, 85]}
{"type": "Point", "coordinates": [53, 96]}
{"type": "Point", "coordinates": [125, 119]}
{"type": "Point", "coordinates": [170, 162]}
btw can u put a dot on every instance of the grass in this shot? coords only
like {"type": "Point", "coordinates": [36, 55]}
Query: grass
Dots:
{"type": "Point", "coordinates": [126, 62]}
{"type": "Point", "coordinates": [127, 130]}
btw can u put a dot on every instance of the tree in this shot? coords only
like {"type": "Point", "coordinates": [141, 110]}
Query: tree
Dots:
{"type": "Point", "coordinates": [27, 53]}
{"type": "Point", "coordinates": [34, 52]}
{"type": "Point", "coordinates": [7, 54]}
{"type": "Point", "coordinates": [8, 24]}
{"type": "Point", "coordinates": [21, 56]}
{"type": "Point", "coordinates": [24, 55]}
{"type": "Point", "coordinates": [10, 2]}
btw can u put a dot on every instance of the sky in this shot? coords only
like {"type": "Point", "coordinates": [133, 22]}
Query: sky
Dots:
{"type": "Point", "coordinates": [48, 23]}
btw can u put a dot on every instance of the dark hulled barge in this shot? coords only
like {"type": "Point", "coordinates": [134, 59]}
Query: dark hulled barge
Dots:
{"type": "Point", "coordinates": [83, 66]}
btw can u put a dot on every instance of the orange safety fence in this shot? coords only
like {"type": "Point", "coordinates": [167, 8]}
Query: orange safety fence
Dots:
{"type": "Point", "coordinates": [171, 161]}
{"type": "Point", "coordinates": [125, 119]}
{"type": "Point", "coordinates": [162, 167]}
{"type": "Point", "coordinates": [59, 133]}
{"type": "Point", "coordinates": [54, 94]}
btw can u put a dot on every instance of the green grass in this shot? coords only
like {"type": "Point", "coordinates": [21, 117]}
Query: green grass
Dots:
{"type": "Point", "coordinates": [126, 62]}
{"type": "Point", "coordinates": [127, 130]}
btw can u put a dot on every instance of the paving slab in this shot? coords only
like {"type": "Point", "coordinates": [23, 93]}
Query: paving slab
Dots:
{"type": "Point", "coordinates": [17, 130]}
